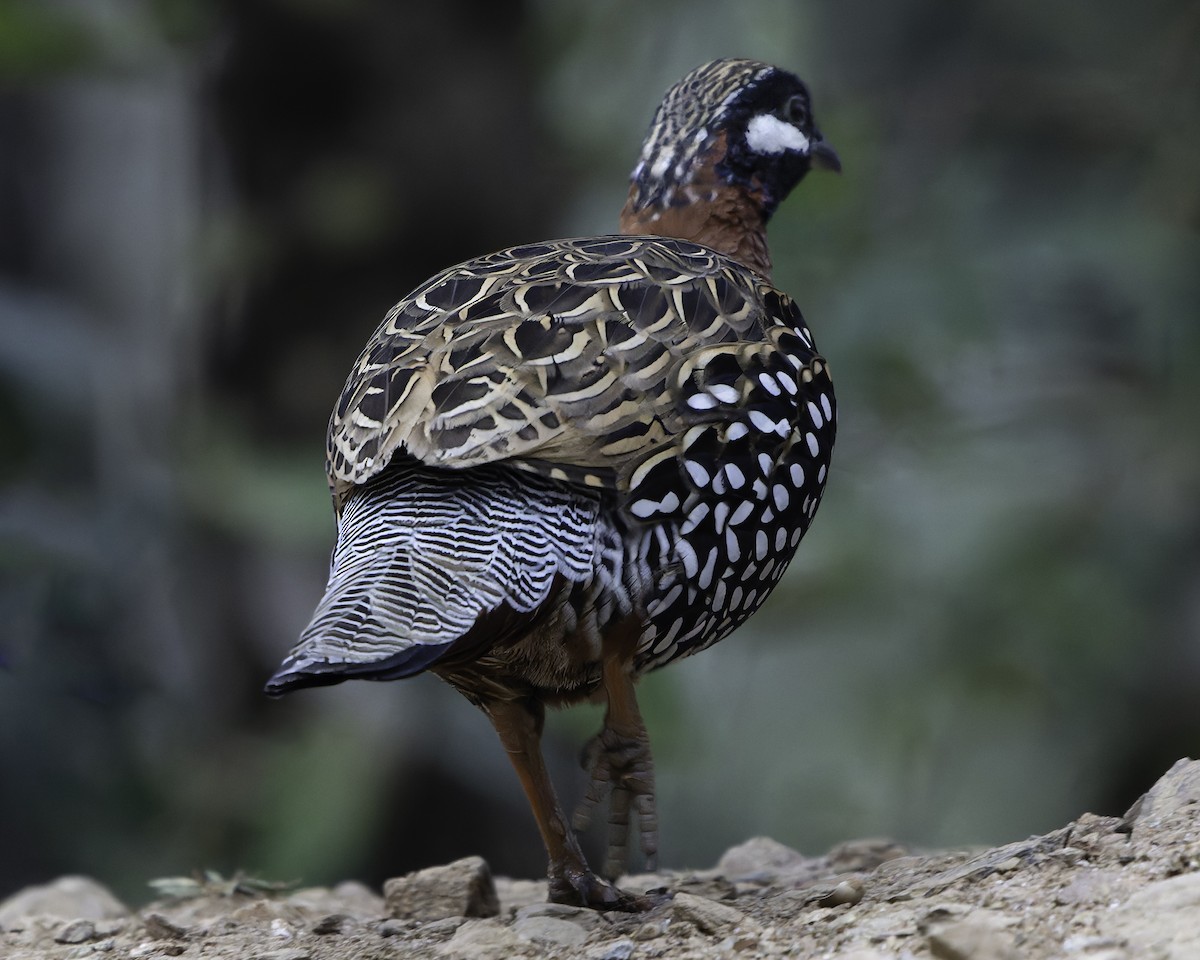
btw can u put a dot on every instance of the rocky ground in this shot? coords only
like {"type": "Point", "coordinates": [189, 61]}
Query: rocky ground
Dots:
{"type": "Point", "coordinates": [1101, 888]}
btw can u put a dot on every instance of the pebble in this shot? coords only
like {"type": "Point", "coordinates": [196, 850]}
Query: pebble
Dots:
{"type": "Point", "coordinates": [334, 923]}
{"type": "Point", "coordinates": [483, 940]}
{"type": "Point", "coordinates": [848, 891]}
{"type": "Point", "coordinates": [77, 931]}
{"type": "Point", "coordinates": [617, 950]}
{"type": "Point", "coordinates": [707, 916]}
{"type": "Point", "coordinates": [550, 930]}
{"type": "Point", "coordinates": [758, 858]}
{"type": "Point", "coordinates": [460, 889]}
{"type": "Point", "coordinates": [162, 928]}
{"type": "Point", "coordinates": [979, 935]}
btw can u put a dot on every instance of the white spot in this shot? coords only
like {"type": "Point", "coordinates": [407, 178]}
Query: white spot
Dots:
{"type": "Point", "coordinates": [768, 515]}
{"type": "Point", "coordinates": [815, 415]}
{"type": "Point", "coordinates": [762, 422]}
{"type": "Point", "coordinates": [761, 544]}
{"type": "Point", "coordinates": [797, 474]}
{"type": "Point", "coordinates": [699, 512]}
{"type": "Point", "coordinates": [706, 575]}
{"type": "Point", "coordinates": [782, 427]}
{"type": "Point", "coordinates": [742, 513]}
{"type": "Point", "coordinates": [698, 474]}
{"type": "Point", "coordinates": [720, 515]}
{"type": "Point", "coordinates": [796, 535]}
{"type": "Point", "coordinates": [735, 598]}
{"type": "Point", "coordinates": [811, 440]}
{"type": "Point", "coordinates": [737, 479]}
{"type": "Point", "coordinates": [826, 407]}
{"type": "Point", "coordinates": [702, 401]}
{"type": "Point", "coordinates": [821, 474]}
{"type": "Point", "coordinates": [736, 431]}
{"type": "Point", "coordinates": [788, 383]}
{"type": "Point", "coordinates": [780, 540]}
{"type": "Point", "coordinates": [732, 548]}
{"type": "Point", "coordinates": [766, 133]}
{"type": "Point", "coordinates": [670, 502]}
{"type": "Point", "coordinates": [725, 393]}
{"type": "Point", "coordinates": [643, 508]}
{"type": "Point", "coordinates": [765, 463]}
{"type": "Point", "coordinates": [769, 384]}
{"type": "Point", "coordinates": [779, 492]}
{"type": "Point", "coordinates": [691, 563]}
{"type": "Point", "coordinates": [718, 599]}
{"type": "Point", "coordinates": [760, 489]}
{"type": "Point", "coordinates": [719, 484]}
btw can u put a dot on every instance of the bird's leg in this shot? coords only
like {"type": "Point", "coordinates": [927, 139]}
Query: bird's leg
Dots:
{"type": "Point", "coordinates": [621, 766]}
{"type": "Point", "coordinates": [519, 724]}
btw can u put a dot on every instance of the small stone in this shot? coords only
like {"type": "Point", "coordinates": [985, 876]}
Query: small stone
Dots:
{"type": "Point", "coordinates": [859, 856]}
{"type": "Point", "coordinates": [393, 928]}
{"type": "Point", "coordinates": [460, 889]}
{"type": "Point", "coordinates": [756, 857]}
{"type": "Point", "coordinates": [1175, 789]}
{"type": "Point", "coordinates": [68, 898]}
{"type": "Point", "coordinates": [333, 923]}
{"type": "Point", "coordinates": [288, 953]}
{"type": "Point", "coordinates": [1159, 919]}
{"type": "Point", "coordinates": [617, 950]}
{"type": "Point", "coordinates": [482, 940]}
{"type": "Point", "coordinates": [77, 931]}
{"type": "Point", "coordinates": [707, 916]}
{"type": "Point", "coordinates": [551, 930]}
{"type": "Point", "coordinates": [650, 930]}
{"type": "Point", "coordinates": [848, 891]}
{"type": "Point", "coordinates": [162, 928]}
{"type": "Point", "coordinates": [977, 936]}
{"type": "Point", "coordinates": [580, 916]}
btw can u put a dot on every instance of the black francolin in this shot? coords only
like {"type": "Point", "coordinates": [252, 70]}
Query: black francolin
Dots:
{"type": "Point", "coordinates": [561, 465]}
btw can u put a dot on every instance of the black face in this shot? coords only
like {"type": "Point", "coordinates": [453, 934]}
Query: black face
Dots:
{"type": "Point", "coordinates": [772, 139]}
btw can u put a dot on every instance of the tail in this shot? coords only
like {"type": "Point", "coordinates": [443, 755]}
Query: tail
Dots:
{"type": "Point", "coordinates": [431, 563]}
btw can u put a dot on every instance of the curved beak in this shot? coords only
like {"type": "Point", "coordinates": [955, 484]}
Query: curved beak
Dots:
{"type": "Point", "coordinates": [824, 157]}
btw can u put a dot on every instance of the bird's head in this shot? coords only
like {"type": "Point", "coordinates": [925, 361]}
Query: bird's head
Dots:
{"type": "Point", "coordinates": [730, 124]}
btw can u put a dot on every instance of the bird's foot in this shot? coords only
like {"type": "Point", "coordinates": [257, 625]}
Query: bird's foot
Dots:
{"type": "Point", "coordinates": [579, 887]}
{"type": "Point", "coordinates": [622, 768]}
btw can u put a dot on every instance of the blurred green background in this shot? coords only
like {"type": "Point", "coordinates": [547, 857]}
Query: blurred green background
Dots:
{"type": "Point", "coordinates": [206, 208]}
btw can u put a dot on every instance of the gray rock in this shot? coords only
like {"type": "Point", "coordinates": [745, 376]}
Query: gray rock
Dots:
{"type": "Point", "coordinates": [1175, 789]}
{"type": "Point", "coordinates": [334, 923]}
{"type": "Point", "coordinates": [707, 916]}
{"type": "Point", "coordinates": [757, 856]}
{"type": "Point", "coordinates": [617, 950]}
{"type": "Point", "coordinates": [483, 940]}
{"type": "Point", "coordinates": [580, 916]}
{"type": "Point", "coordinates": [978, 935]}
{"type": "Point", "coordinates": [77, 931]}
{"type": "Point", "coordinates": [1160, 920]}
{"type": "Point", "coordinates": [68, 898]}
{"type": "Point", "coordinates": [460, 889]}
{"type": "Point", "coordinates": [552, 930]}
{"type": "Point", "coordinates": [163, 928]}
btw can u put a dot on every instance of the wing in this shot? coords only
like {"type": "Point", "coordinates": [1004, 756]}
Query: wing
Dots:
{"type": "Point", "coordinates": [577, 360]}
{"type": "Point", "coordinates": [430, 567]}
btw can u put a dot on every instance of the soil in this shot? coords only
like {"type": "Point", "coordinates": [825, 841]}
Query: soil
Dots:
{"type": "Point", "coordinates": [1100, 888]}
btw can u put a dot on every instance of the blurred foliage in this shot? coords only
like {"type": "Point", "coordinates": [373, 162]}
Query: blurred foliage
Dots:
{"type": "Point", "coordinates": [206, 207]}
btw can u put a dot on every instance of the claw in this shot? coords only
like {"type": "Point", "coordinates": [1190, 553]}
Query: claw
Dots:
{"type": "Point", "coordinates": [582, 888]}
{"type": "Point", "coordinates": [622, 768]}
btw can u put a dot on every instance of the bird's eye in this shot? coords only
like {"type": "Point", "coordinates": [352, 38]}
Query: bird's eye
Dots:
{"type": "Point", "coordinates": [795, 111]}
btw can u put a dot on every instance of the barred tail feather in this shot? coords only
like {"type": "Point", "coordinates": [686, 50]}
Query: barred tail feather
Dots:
{"type": "Point", "coordinates": [428, 559]}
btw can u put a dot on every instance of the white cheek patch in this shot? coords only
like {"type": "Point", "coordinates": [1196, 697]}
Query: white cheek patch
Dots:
{"type": "Point", "coordinates": [769, 134]}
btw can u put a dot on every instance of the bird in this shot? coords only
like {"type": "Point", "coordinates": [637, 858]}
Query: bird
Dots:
{"type": "Point", "coordinates": [561, 465]}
